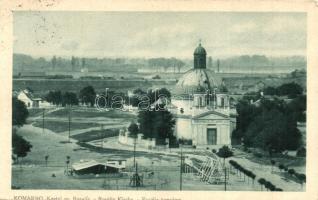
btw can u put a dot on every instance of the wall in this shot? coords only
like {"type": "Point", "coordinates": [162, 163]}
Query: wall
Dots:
{"type": "Point", "coordinates": [146, 143]}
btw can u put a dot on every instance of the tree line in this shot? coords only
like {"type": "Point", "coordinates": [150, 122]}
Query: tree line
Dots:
{"type": "Point", "coordinates": [86, 95]}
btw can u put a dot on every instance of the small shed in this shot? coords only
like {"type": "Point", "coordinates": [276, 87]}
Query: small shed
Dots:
{"type": "Point", "coordinates": [94, 167]}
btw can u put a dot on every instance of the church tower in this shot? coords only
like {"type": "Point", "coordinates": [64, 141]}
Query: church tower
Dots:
{"type": "Point", "coordinates": [199, 57]}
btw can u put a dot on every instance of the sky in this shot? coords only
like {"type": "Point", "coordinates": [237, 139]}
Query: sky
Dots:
{"type": "Point", "coordinates": [158, 34]}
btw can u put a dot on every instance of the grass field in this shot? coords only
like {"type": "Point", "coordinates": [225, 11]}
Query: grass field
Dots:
{"type": "Point", "coordinates": [96, 135]}
{"type": "Point", "coordinates": [61, 126]}
{"type": "Point", "coordinates": [90, 113]}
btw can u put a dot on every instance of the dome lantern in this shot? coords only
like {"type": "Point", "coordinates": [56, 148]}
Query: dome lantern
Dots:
{"type": "Point", "coordinates": [199, 55]}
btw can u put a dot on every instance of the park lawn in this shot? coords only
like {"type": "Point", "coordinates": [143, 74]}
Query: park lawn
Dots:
{"type": "Point", "coordinates": [84, 112]}
{"type": "Point", "coordinates": [62, 126]}
{"type": "Point", "coordinates": [95, 135]}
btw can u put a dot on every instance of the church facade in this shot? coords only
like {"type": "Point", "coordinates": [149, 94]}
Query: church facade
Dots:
{"type": "Point", "coordinates": [201, 106]}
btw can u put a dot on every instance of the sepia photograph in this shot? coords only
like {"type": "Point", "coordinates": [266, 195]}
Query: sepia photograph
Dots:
{"type": "Point", "coordinates": [159, 100]}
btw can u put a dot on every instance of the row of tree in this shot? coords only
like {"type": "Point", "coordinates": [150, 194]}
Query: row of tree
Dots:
{"type": "Point", "coordinates": [87, 95]}
{"type": "Point", "coordinates": [300, 176]}
{"type": "Point", "coordinates": [268, 185]}
{"type": "Point", "coordinates": [166, 63]}
{"type": "Point", "coordinates": [241, 169]}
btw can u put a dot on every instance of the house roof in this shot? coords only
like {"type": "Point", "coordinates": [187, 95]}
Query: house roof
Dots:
{"type": "Point", "coordinates": [30, 95]}
{"type": "Point", "coordinates": [85, 164]}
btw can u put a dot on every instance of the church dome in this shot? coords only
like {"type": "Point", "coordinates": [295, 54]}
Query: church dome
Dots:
{"type": "Point", "coordinates": [197, 81]}
{"type": "Point", "coordinates": [199, 50]}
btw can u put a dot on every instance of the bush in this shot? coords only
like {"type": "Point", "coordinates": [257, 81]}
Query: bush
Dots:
{"type": "Point", "coordinates": [258, 155]}
{"type": "Point", "coordinates": [185, 141]}
{"type": "Point", "coordinates": [301, 177]}
{"type": "Point", "coordinates": [273, 162]}
{"type": "Point", "coordinates": [291, 171]}
{"type": "Point", "coordinates": [301, 152]}
{"type": "Point", "coordinates": [261, 181]}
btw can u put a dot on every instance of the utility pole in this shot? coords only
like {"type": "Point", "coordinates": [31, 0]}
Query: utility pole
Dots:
{"type": "Point", "coordinates": [43, 121]}
{"type": "Point", "coordinates": [181, 168]}
{"type": "Point", "coordinates": [135, 150]}
{"type": "Point", "coordinates": [69, 124]}
{"type": "Point", "coordinates": [101, 136]}
{"type": "Point", "coordinates": [224, 178]}
{"type": "Point", "coordinates": [137, 177]}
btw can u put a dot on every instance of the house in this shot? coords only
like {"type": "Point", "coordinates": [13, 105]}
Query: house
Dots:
{"type": "Point", "coordinates": [30, 100]}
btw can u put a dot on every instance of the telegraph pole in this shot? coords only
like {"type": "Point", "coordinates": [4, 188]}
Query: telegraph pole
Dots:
{"type": "Point", "coordinates": [69, 124]}
{"type": "Point", "coordinates": [43, 121]}
{"type": "Point", "coordinates": [181, 168]}
{"type": "Point", "coordinates": [135, 150]}
{"type": "Point", "coordinates": [101, 136]}
{"type": "Point", "coordinates": [224, 178]}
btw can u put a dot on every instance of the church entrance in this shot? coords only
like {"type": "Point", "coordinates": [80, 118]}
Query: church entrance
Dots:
{"type": "Point", "coordinates": [211, 136]}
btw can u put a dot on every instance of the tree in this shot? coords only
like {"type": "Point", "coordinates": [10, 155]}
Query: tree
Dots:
{"type": "Point", "coordinates": [54, 97]}
{"type": "Point", "coordinates": [262, 182]}
{"type": "Point", "coordinates": [46, 158]}
{"type": "Point", "coordinates": [291, 172]}
{"type": "Point", "coordinates": [19, 112]}
{"type": "Point", "coordinates": [20, 146]}
{"type": "Point", "coordinates": [291, 89]}
{"type": "Point", "coordinates": [87, 95]}
{"type": "Point", "coordinates": [133, 130]}
{"type": "Point", "coordinates": [69, 98]}
{"type": "Point", "coordinates": [224, 153]}
{"type": "Point", "coordinates": [273, 164]}
{"type": "Point", "coordinates": [271, 126]}
{"type": "Point", "coordinates": [73, 63]}
{"type": "Point", "coordinates": [53, 62]}
{"type": "Point", "coordinates": [157, 124]}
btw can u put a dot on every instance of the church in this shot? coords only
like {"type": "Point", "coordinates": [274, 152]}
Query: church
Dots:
{"type": "Point", "coordinates": [201, 106]}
